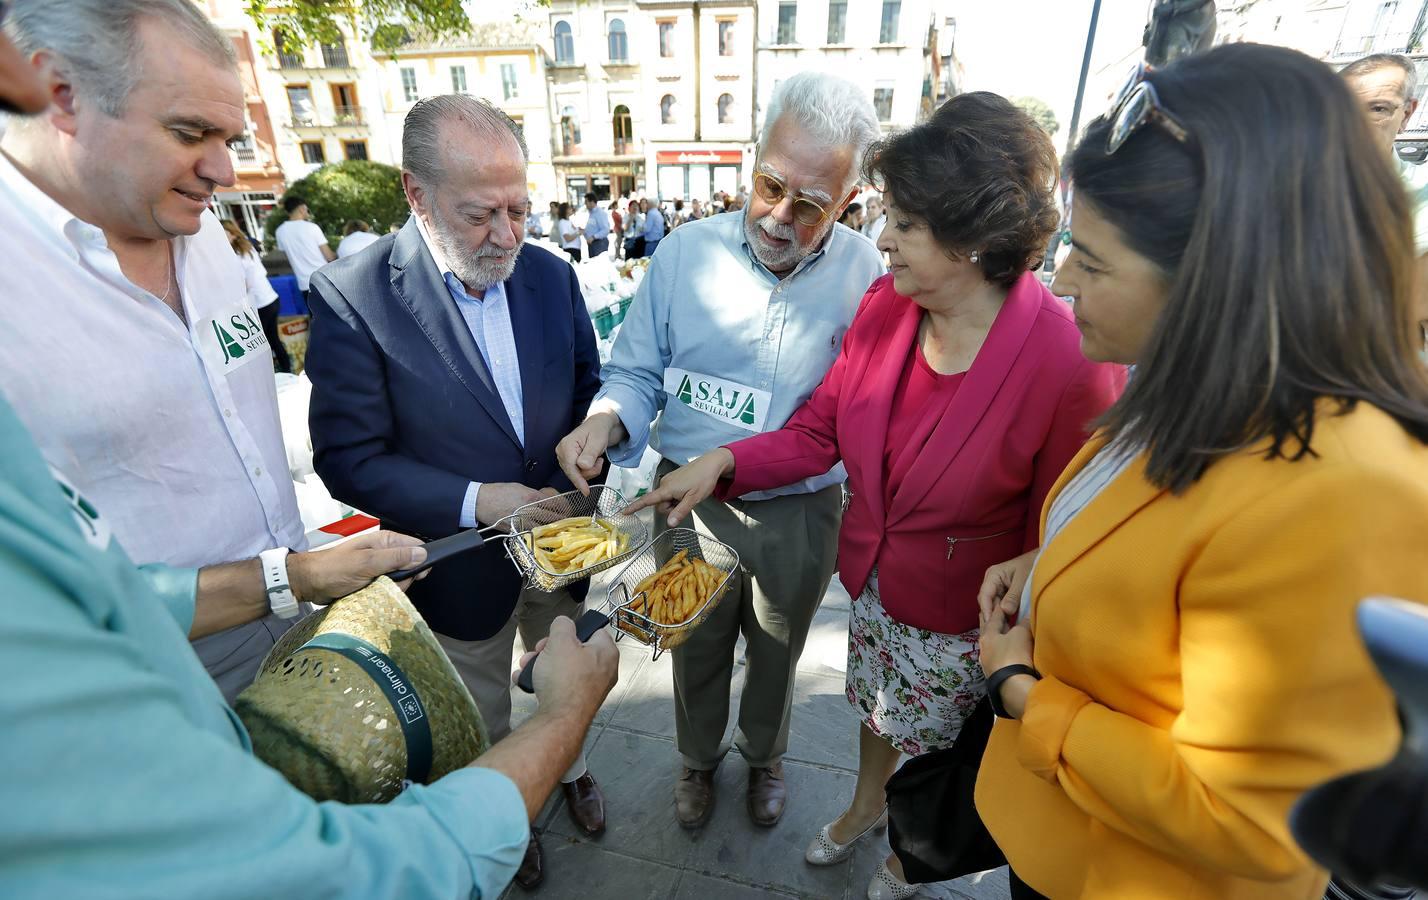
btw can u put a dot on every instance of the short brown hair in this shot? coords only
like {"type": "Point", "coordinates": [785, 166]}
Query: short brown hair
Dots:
{"type": "Point", "coordinates": [980, 173]}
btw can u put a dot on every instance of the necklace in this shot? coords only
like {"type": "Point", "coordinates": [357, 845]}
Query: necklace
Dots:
{"type": "Point", "coordinates": [169, 268]}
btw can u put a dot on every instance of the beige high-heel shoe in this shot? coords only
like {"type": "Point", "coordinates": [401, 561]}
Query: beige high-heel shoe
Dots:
{"type": "Point", "coordinates": [887, 886]}
{"type": "Point", "coordinates": [824, 851]}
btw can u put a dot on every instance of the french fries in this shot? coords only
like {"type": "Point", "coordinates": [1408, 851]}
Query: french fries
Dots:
{"type": "Point", "coordinates": [672, 595]}
{"type": "Point", "coordinates": [575, 543]}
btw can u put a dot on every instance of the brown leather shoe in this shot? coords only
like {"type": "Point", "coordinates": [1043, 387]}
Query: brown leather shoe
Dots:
{"type": "Point", "coordinates": [586, 804]}
{"type": "Point", "coordinates": [767, 795]}
{"type": "Point", "coordinates": [694, 797]}
{"type": "Point", "coordinates": [532, 870]}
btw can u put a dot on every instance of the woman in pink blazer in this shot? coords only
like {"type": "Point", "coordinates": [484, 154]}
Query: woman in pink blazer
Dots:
{"type": "Point", "coordinates": [959, 395]}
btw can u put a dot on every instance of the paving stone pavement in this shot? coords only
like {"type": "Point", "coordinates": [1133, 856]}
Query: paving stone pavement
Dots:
{"type": "Point", "coordinates": [645, 854]}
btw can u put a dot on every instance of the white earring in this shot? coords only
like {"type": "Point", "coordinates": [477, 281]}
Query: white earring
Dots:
{"type": "Point", "coordinates": [975, 257]}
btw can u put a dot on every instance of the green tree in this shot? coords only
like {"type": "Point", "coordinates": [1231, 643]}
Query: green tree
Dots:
{"type": "Point", "coordinates": [384, 23]}
{"type": "Point", "coordinates": [353, 189]}
{"type": "Point", "coordinates": [1040, 113]}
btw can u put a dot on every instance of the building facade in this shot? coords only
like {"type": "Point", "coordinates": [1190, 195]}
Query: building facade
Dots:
{"type": "Point", "coordinates": [886, 45]}
{"type": "Point", "coordinates": [503, 63]}
{"type": "Point", "coordinates": [326, 101]}
{"type": "Point", "coordinates": [256, 164]}
{"type": "Point", "coordinates": [699, 97]}
{"type": "Point", "coordinates": [598, 52]}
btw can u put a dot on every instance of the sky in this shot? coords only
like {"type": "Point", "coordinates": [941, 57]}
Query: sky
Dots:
{"type": "Point", "coordinates": [1034, 48]}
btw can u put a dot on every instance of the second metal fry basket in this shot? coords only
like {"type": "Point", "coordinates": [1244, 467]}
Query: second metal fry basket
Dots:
{"type": "Point", "coordinates": [602, 502]}
{"type": "Point", "coordinates": [647, 562]}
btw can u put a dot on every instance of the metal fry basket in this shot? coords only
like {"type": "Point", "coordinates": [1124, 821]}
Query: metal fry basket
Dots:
{"type": "Point", "coordinates": [660, 635]}
{"type": "Point", "coordinates": [602, 503]}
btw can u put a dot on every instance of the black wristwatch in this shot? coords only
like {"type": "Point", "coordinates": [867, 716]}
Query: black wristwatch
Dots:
{"type": "Point", "coordinates": [994, 686]}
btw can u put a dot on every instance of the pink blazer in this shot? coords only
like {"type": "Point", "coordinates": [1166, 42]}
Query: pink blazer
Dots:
{"type": "Point", "coordinates": [973, 497]}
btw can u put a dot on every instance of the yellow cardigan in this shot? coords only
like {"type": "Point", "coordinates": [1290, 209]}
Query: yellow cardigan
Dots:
{"type": "Point", "coordinates": [1202, 669]}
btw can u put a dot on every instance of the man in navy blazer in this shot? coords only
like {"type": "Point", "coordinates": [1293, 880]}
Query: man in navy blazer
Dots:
{"type": "Point", "coordinates": [447, 361]}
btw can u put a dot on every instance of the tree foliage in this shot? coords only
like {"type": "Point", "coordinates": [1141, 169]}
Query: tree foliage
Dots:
{"type": "Point", "coordinates": [1040, 112]}
{"type": "Point", "coordinates": [302, 23]}
{"type": "Point", "coordinates": [353, 189]}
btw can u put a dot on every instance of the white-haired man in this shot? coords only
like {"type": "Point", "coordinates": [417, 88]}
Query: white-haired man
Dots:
{"type": "Point", "coordinates": [1387, 86]}
{"type": "Point", "coordinates": [735, 324]}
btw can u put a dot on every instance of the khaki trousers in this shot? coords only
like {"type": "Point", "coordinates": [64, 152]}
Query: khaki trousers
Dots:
{"type": "Point", "coordinates": [788, 547]}
{"type": "Point", "coordinates": [485, 666]}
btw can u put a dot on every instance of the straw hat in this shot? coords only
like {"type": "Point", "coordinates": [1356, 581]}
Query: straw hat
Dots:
{"type": "Point", "coordinates": [358, 699]}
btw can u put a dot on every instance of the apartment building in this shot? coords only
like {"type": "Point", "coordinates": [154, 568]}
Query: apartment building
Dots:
{"type": "Point", "coordinates": [503, 62]}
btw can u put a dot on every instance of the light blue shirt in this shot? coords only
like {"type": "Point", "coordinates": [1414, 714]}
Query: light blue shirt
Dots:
{"type": "Point", "coordinates": [654, 224]}
{"type": "Point", "coordinates": [723, 347]}
{"type": "Point", "coordinates": [126, 776]}
{"type": "Point", "coordinates": [489, 321]}
{"type": "Point", "coordinates": [597, 224]}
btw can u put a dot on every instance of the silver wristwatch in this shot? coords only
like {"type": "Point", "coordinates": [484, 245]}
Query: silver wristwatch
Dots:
{"type": "Point", "coordinates": [275, 578]}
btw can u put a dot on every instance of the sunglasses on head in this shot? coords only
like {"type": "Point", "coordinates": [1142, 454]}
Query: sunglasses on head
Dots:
{"type": "Point", "coordinates": [805, 211]}
{"type": "Point", "coordinates": [1137, 105]}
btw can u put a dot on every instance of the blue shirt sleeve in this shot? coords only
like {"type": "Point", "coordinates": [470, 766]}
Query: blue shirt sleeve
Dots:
{"type": "Point", "coordinates": [108, 783]}
{"type": "Point", "coordinates": [634, 376]}
{"type": "Point", "coordinates": [125, 775]}
{"type": "Point", "coordinates": [177, 589]}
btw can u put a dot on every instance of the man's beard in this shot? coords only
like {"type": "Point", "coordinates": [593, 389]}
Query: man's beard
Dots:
{"type": "Point", "coordinates": [791, 255]}
{"type": "Point", "coordinates": [478, 269]}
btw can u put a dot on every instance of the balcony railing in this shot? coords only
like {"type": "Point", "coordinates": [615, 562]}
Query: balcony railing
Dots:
{"type": "Point", "coordinates": [335, 57]}
{"type": "Point", "coordinates": [341, 115]}
{"type": "Point", "coordinates": [289, 60]}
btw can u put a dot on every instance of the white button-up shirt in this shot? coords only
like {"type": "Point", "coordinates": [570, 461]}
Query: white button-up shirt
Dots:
{"type": "Point", "coordinates": [171, 428]}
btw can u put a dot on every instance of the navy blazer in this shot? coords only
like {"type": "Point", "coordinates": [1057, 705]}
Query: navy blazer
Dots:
{"type": "Point", "coordinates": [405, 413]}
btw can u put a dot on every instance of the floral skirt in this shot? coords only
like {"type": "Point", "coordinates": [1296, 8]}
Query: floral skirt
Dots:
{"type": "Point", "coordinates": [911, 686]}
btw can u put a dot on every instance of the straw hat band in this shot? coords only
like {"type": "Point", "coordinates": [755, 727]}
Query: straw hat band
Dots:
{"type": "Point", "coordinates": [400, 691]}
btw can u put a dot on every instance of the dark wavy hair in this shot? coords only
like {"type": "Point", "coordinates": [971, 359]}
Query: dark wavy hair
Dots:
{"type": "Point", "coordinates": [1285, 239]}
{"type": "Point", "coordinates": [980, 173]}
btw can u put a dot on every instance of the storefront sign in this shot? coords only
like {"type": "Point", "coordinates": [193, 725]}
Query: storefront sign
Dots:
{"type": "Point", "coordinates": [596, 169]}
{"type": "Point", "coordinates": [699, 157]}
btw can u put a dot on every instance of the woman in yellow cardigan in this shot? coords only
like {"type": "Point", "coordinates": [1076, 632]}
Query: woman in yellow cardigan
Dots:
{"type": "Point", "coordinates": [1185, 664]}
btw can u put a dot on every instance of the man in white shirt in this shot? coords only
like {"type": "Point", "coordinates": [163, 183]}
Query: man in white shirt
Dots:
{"type": "Point", "coordinates": [356, 236]}
{"type": "Point", "coordinates": [535, 222]}
{"type": "Point", "coordinates": [133, 354]}
{"type": "Point", "coordinates": [302, 242]}
{"type": "Point", "coordinates": [597, 227]}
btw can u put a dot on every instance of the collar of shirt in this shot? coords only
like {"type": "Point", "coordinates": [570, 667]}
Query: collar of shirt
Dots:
{"type": "Point", "coordinates": [804, 263]}
{"type": "Point", "coordinates": [453, 284]}
{"type": "Point", "coordinates": [48, 217]}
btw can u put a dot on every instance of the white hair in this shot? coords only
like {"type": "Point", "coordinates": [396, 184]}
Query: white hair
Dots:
{"type": "Point", "coordinates": [833, 111]}
{"type": "Point", "coordinates": [97, 41]}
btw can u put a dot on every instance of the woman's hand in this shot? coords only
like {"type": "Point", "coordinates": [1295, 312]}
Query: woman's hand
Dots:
{"type": "Point", "coordinates": [683, 489]}
{"type": "Point", "coordinates": [1003, 644]}
{"type": "Point", "coordinates": [1004, 582]}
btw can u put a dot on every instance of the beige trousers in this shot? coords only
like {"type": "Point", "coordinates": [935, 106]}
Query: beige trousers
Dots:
{"type": "Point", "coordinates": [485, 666]}
{"type": "Point", "coordinates": [788, 547]}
